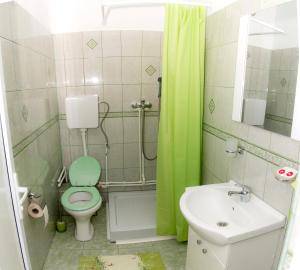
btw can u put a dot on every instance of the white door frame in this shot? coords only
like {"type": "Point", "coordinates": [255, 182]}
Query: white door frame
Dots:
{"type": "Point", "coordinates": [5, 138]}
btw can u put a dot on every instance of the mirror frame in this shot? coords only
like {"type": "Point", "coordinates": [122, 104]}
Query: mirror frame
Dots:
{"type": "Point", "coordinates": [240, 76]}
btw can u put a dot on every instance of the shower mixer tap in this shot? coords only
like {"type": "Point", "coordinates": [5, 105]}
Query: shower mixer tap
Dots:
{"type": "Point", "coordinates": [142, 104]}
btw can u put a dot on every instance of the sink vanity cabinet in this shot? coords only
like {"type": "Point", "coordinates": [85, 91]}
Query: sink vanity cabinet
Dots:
{"type": "Point", "coordinates": [255, 253]}
{"type": "Point", "coordinates": [227, 233]}
{"type": "Point", "coordinates": [204, 255]}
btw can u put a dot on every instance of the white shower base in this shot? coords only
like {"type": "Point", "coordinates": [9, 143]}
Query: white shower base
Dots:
{"type": "Point", "coordinates": [131, 217]}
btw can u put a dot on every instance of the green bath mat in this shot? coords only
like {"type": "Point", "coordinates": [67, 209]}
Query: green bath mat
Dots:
{"type": "Point", "coordinates": [141, 261]}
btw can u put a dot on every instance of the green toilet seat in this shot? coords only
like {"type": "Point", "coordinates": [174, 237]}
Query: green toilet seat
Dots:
{"type": "Point", "coordinates": [80, 205]}
{"type": "Point", "coordinates": [84, 174]}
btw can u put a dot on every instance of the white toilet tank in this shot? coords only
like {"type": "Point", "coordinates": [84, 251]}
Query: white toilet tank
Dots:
{"type": "Point", "coordinates": [82, 111]}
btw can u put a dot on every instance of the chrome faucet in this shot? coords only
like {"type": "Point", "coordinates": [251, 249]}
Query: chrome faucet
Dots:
{"type": "Point", "coordinates": [245, 193]}
{"type": "Point", "coordinates": [143, 104]}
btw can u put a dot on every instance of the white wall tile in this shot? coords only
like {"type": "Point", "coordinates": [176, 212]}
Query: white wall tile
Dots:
{"type": "Point", "coordinates": [277, 194]}
{"type": "Point", "coordinates": [6, 23]}
{"type": "Point", "coordinates": [73, 46]}
{"type": "Point", "coordinates": [221, 170]}
{"type": "Point", "coordinates": [114, 130]}
{"type": "Point", "coordinates": [58, 43]}
{"type": "Point", "coordinates": [227, 72]}
{"type": "Point", "coordinates": [95, 136]}
{"type": "Point", "coordinates": [151, 128]}
{"type": "Point", "coordinates": [93, 71]}
{"type": "Point", "coordinates": [22, 67]}
{"type": "Point", "coordinates": [75, 137]}
{"type": "Point", "coordinates": [61, 95]}
{"type": "Point", "coordinates": [97, 152]}
{"type": "Point", "coordinates": [75, 91]}
{"type": "Point", "coordinates": [131, 70]}
{"type": "Point", "coordinates": [92, 44]}
{"type": "Point", "coordinates": [259, 137]}
{"type": "Point", "coordinates": [131, 43]}
{"type": "Point", "coordinates": [283, 145]}
{"type": "Point", "coordinates": [112, 70]}
{"type": "Point", "coordinates": [151, 152]}
{"type": "Point", "coordinates": [151, 43]}
{"type": "Point", "coordinates": [74, 72]}
{"type": "Point", "coordinates": [255, 174]}
{"type": "Point", "coordinates": [8, 49]}
{"type": "Point", "coordinates": [155, 62]}
{"type": "Point", "coordinates": [66, 156]}
{"type": "Point", "coordinates": [150, 94]}
{"type": "Point", "coordinates": [131, 155]}
{"type": "Point", "coordinates": [223, 111]}
{"type": "Point", "coordinates": [131, 129]}
{"type": "Point", "coordinates": [94, 90]}
{"type": "Point", "coordinates": [60, 73]}
{"type": "Point", "coordinates": [236, 168]}
{"type": "Point", "coordinates": [64, 133]}
{"type": "Point", "coordinates": [115, 175]}
{"type": "Point", "coordinates": [209, 150]}
{"type": "Point", "coordinates": [111, 43]}
{"type": "Point", "coordinates": [76, 152]}
{"type": "Point", "coordinates": [113, 95]}
{"type": "Point", "coordinates": [131, 93]}
{"type": "Point", "coordinates": [132, 174]}
{"type": "Point", "coordinates": [115, 157]}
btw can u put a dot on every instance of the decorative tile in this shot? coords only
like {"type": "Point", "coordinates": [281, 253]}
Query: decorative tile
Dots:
{"type": "Point", "coordinates": [92, 43]}
{"type": "Point", "coordinates": [150, 70]}
{"type": "Point", "coordinates": [211, 106]}
{"type": "Point", "coordinates": [25, 113]}
{"type": "Point", "coordinates": [283, 82]}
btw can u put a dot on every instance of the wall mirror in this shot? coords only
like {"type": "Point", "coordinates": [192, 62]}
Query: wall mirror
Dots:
{"type": "Point", "coordinates": [266, 93]}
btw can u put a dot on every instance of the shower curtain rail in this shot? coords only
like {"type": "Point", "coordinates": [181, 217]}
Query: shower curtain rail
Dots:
{"type": "Point", "coordinates": [277, 30]}
{"type": "Point", "coordinates": [107, 6]}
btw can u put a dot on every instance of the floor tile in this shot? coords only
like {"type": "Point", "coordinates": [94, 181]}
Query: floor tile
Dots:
{"type": "Point", "coordinates": [59, 259]}
{"type": "Point", "coordinates": [66, 250]}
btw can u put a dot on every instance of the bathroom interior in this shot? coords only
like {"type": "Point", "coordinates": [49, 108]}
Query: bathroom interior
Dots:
{"type": "Point", "coordinates": [156, 134]}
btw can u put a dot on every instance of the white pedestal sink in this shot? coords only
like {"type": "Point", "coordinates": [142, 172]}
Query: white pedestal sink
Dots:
{"type": "Point", "coordinates": [226, 233]}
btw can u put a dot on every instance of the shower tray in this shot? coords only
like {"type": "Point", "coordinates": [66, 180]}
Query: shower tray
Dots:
{"type": "Point", "coordinates": [131, 216]}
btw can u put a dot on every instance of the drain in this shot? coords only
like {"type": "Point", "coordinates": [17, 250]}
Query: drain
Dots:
{"type": "Point", "coordinates": [222, 224]}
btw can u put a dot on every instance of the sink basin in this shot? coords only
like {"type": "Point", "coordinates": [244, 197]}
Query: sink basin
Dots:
{"type": "Point", "coordinates": [223, 219]}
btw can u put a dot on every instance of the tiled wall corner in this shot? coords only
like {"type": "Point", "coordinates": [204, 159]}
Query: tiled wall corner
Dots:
{"type": "Point", "coordinates": [121, 67]}
{"type": "Point", "coordinates": [264, 149]}
{"type": "Point", "coordinates": [30, 80]}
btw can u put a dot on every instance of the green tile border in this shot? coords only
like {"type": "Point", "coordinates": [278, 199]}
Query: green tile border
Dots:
{"type": "Point", "coordinates": [120, 114]}
{"type": "Point", "coordinates": [20, 146]}
{"type": "Point", "coordinates": [253, 149]}
{"type": "Point", "coordinates": [279, 119]}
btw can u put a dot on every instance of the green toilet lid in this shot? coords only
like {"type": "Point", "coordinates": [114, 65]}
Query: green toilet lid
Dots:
{"type": "Point", "coordinates": [84, 171]}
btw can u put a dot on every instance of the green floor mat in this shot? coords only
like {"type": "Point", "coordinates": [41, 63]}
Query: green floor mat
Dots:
{"type": "Point", "coordinates": [152, 261]}
{"type": "Point", "coordinates": [147, 261]}
{"type": "Point", "coordinates": [90, 263]}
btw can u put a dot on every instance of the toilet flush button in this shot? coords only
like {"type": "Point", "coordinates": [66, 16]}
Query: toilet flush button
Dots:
{"type": "Point", "coordinates": [290, 174]}
{"type": "Point", "coordinates": [281, 171]}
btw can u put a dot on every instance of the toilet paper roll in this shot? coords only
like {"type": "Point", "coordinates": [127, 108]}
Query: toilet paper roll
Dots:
{"type": "Point", "coordinates": [36, 208]}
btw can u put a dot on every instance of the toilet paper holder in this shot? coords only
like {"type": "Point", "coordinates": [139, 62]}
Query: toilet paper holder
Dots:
{"type": "Point", "coordinates": [32, 196]}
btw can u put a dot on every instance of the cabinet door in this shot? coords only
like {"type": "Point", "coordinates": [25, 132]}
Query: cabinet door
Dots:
{"type": "Point", "coordinates": [200, 256]}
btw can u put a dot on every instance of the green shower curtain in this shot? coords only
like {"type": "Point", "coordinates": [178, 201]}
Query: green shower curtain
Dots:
{"type": "Point", "coordinates": [180, 128]}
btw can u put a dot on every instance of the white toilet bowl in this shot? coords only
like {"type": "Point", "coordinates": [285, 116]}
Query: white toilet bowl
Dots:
{"type": "Point", "coordinates": [82, 201]}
